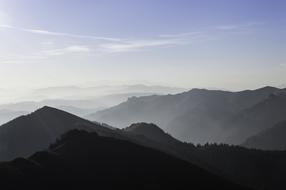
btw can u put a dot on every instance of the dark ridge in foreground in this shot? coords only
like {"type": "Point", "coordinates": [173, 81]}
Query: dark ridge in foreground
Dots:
{"type": "Point", "coordinates": [262, 170]}
{"type": "Point", "coordinates": [82, 159]}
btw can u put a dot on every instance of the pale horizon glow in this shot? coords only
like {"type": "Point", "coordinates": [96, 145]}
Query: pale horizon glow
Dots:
{"type": "Point", "coordinates": [233, 45]}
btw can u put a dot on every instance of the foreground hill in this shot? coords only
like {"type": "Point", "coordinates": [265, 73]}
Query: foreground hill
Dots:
{"type": "Point", "coordinates": [270, 139]}
{"type": "Point", "coordinates": [82, 159]}
{"type": "Point", "coordinates": [27, 134]}
{"type": "Point", "coordinates": [197, 116]}
{"type": "Point", "coordinates": [258, 169]}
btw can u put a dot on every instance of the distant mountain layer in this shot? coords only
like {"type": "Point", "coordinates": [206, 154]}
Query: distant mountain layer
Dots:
{"type": "Point", "coordinates": [270, 139]}
{"type": "Point", "coordinates": [85, 160]}
{"type": "Point", "coordinates": [201, 116]}
{"type": "Point", "coordinates": [80, 101]}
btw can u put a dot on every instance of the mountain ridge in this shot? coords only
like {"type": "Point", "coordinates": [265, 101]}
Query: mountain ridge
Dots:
{"type": "Point", "coordinates": [80, 159]}
{"type": "Point", "coordinates": [24, 135]}
{"type": "Point", "coordinates": [206, 113]}
{"type": "Point", "coordinates": [270, 139]}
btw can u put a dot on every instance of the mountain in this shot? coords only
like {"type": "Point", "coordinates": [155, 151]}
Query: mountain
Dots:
{"type": "Point", "coordinates": [7, 115]}
{"type": "Point", "coordinates": [79, 107]}
{"type": "Point", "coordinates": [80, 101]}
{"type": "Point", "coordinates": [273, 138]}
{"type": "Point", "coordinates": [150, 130]}
{"type": "Point", "coordinates": [37, 130]}
{"type": "Point", "coordinates": [254, 168]}
{"type": "Point", "coordinates": [197, 116]}
{"type": "Point", "coordinates": [81, 159]}
{"type": "Point", "coordinates": [81, 92]}
{"type": "Point", "coordinates": [258, 118]}
{"type": "Point", "coordinates": [27, 134]}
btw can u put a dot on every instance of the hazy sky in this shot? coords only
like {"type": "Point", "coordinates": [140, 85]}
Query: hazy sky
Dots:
{"type": "Point", "coordinates": [231, 44]}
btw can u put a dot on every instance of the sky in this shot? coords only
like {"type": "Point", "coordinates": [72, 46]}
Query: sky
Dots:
{"type": "Point", "coordinates": [225, 44]}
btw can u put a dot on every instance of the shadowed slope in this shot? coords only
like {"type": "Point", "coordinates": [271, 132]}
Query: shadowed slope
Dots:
{"type": "Point", "coordinates": [27, 134]}
{"type": "Point", "coordinates": [270, 139]}
{"type": "Point", "coordinates": [82, 159]}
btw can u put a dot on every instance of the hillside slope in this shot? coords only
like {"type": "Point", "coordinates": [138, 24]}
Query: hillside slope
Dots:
{"type": "Point", "coordinates": [273, 138]}
{"type": "Point", "coordinates": [81, 159]}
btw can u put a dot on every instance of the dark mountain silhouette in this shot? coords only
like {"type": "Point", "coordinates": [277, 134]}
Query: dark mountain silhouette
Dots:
{"type": "Point", "coordinates": [25, 135]}
{"type": "Point", "coordinates": [81, 159]}
{"type": "Point", "coordinates": [270, 139]}
{"type": "Point", "coordinates": [260, 169]}
{"type": "Point", "coordinates": [255, 168]}
{"type": "Point", "coordinates": [197, 116]}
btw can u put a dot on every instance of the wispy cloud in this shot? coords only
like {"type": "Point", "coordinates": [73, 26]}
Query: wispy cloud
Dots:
{"type": "Point", "coordinates": [69, 49]}
{"type": "Point", "coordinates": [110, 44]}
{"type": "Point", "coordinates": [238, 26]}
{"type": "Point", "coordinates": [134, 45]}
{"type": "Point", "coordinates": [99, 44]}
{"type": "Point", "coordinates": [164, 40]}
{"type": "Point", "coordinates": [60, 34]}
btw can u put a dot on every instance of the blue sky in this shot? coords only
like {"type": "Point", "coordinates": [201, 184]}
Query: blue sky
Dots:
{"type": "Point", "coordinates": [229, 44]}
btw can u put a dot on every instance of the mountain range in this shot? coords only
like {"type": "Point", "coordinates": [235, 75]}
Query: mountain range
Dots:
{"type": "Point", "coordinates": [24, 136]}
{"type": "Point", "coordinates": [80, 101]}
{"type": "Point", "coordinates": [202, 116]}
{"type": "Point", "coordinates": [85, 160]}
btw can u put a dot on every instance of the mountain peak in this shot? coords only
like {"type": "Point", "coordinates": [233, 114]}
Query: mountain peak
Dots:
{"type": "Point", "coordinates": [151, 131]}
{"type": "Point", "coordinates": [144, 127]}
{"type": "Point", "coordinates": [47, 109]}
{"type": "Point", "coordinates": [267, 88]}
{"type": "Point", "coordinates": [37, 130]}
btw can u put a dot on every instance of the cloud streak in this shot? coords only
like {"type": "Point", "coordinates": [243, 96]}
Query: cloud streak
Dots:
{"type": "Point", "coordinates": [59, 34]}
{"type": "Point", "coordinates": [135, 45]}
{"type": "Point", "coordinates": [105, 45]}
{"type": "Point", "coordinates": [232, 27]}
{"type": "Point", "coordinates": [69, 49]}
{"type": "Point", "coordinates": [111, 45]}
